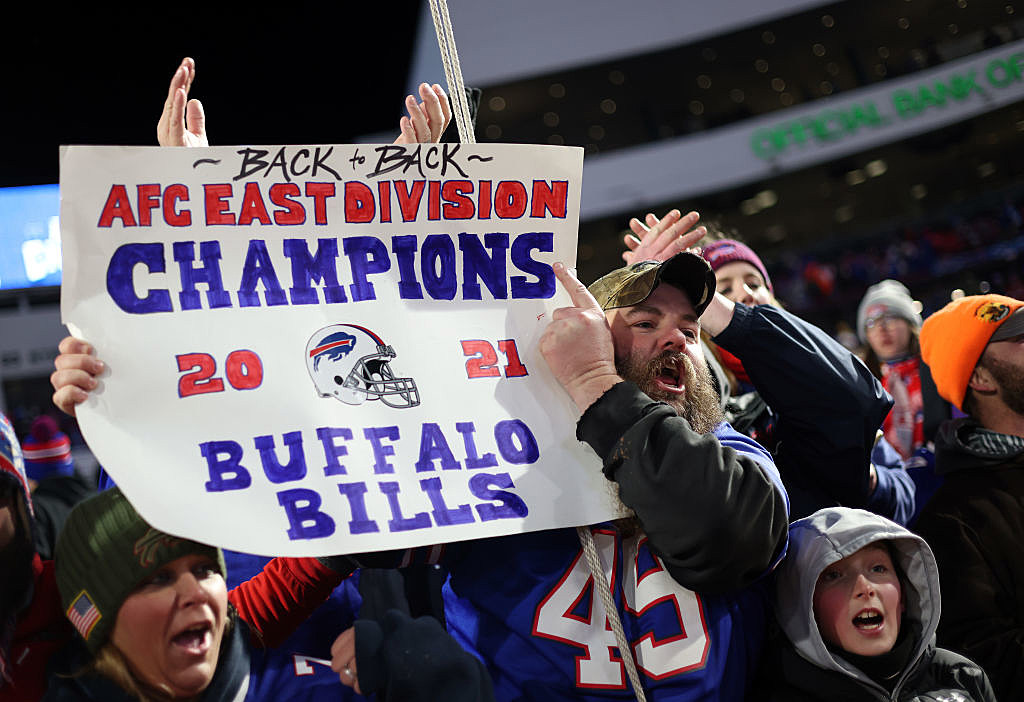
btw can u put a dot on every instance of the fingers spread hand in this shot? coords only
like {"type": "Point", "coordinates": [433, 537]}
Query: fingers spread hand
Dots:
{"type": "Point", "coordinates": [426, 120]}
{"type": "Point", "coordinates": [660, 239]}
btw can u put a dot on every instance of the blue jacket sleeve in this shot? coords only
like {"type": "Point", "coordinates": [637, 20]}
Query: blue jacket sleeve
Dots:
{"type": "Point", "coordinates": [828, 405]}
{"type": "Point", "coordinates": [893, 497]}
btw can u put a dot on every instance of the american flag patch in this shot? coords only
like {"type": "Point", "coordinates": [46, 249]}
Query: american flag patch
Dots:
{"type": "Point", "coordinates": [83, 614]}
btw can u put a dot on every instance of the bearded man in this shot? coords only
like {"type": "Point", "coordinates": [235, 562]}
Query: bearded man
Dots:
{"type": "Point", "coordinates": [710, 515]}
{"type": "Point", "coordinates": [975, 521]}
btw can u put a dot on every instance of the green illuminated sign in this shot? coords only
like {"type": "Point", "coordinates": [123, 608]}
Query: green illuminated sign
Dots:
{"type": "Point", "coordinates": [834, 124]}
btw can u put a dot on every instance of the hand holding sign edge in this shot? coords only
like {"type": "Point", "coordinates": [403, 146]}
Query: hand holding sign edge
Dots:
{"type": "Point", "coordinates": [74, 375]}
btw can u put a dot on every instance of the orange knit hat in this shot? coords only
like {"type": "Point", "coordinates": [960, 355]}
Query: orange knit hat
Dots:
{"type": "Point", "coordinates": [953, 339]}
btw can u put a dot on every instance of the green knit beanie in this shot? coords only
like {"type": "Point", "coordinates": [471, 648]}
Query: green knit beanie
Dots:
{"type": "Point", "coordinates": [103, 553]}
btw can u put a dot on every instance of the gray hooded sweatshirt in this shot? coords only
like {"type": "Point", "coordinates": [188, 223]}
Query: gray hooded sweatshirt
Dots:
{"type": "Point", "coordinates": [806, 669]}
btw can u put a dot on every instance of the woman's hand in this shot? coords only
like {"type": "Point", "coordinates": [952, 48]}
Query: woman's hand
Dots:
{"type": "Point", "coordinates": [427, 120]}
{"type": "Point", "coordinates": [183, 122]}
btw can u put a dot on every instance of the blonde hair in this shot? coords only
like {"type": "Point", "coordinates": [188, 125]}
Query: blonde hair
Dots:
{"type": "Point", "coordinates": [110, 663]}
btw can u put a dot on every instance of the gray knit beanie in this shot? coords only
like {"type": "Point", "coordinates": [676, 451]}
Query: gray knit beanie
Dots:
{"type": "Point", "coordinates": [889, 296]}
{"type": "Point", "coordinates": [103, 553]}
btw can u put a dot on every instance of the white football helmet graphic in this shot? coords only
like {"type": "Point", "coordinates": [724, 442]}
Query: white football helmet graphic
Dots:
{"type": "Point", "coordinates": [351, 363]}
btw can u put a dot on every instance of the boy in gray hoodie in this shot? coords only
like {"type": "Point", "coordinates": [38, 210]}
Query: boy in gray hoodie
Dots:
{"type": "Point", "coordinates": [857, 598]}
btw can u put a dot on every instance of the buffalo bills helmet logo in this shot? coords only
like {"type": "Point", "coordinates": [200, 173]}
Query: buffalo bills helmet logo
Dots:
{"type": "Point", "coordinates": [352, 364]}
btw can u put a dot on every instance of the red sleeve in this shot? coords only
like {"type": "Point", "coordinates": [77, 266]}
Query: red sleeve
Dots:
{"type": "Point", "coordinates": [276, 601]}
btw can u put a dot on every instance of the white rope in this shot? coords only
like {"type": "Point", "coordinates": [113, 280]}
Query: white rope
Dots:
{"type": "Point", "coordinates": [601, 587]}
{"type": "Point", "coordinates": [452, 70]}
{"type": "Point", "coordinates": [460, 106]}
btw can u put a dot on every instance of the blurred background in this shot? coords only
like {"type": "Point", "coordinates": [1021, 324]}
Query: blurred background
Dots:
{"type": "Point", "coordinates": [846, 142]}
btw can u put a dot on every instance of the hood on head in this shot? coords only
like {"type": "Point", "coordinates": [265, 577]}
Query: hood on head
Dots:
{"type": "Point", "coordinates": [829, 535]}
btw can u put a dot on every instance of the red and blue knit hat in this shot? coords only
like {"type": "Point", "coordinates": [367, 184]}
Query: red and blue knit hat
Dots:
{"type": "Point", "coordinates": [11, 462]}
{"type": "Point", "coordinates": [47, 450]}
{"type": "Point", "coordinates": [718, 253]}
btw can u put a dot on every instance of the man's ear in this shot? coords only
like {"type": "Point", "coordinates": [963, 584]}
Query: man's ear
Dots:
{"type": "Point", "coordinates": [982, 381]}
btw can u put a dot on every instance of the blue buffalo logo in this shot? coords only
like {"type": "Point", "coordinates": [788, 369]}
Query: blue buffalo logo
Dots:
{"type": "Point", "coordinates": [332, 347]}
{"type": "Point", "coordinates": [354, 375]}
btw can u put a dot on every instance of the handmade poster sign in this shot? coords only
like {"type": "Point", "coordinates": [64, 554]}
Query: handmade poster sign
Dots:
{"type": "Point", "coordinates": [328, 349]}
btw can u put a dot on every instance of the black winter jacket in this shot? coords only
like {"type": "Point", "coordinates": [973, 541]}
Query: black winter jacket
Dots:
{"type": "Point", "coordinates": [938, 675]}
{"type": "Point", "coordinates": [975, 525]}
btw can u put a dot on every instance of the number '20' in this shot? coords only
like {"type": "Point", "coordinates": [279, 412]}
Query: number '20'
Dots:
{"type": "Point", "coordinates": [242, 368]}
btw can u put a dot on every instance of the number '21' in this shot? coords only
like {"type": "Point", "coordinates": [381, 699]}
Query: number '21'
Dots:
{"type": "Point", "coordinates": [485, 361]}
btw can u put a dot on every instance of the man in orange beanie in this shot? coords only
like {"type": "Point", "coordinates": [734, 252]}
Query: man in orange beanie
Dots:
{"type": "Point", "coordinates": [975, 522]}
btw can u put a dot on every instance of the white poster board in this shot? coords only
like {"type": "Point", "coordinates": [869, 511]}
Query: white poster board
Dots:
{"type": "Point", "coordinates": [328, 349]}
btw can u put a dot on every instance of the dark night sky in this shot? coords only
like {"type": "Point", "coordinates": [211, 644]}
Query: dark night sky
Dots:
{"type": "Point", "coordinates": [94, 74]}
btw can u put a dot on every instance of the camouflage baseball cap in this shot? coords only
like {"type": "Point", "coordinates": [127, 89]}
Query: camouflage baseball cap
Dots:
{"type": "Point", "coordinates": [633, 284]}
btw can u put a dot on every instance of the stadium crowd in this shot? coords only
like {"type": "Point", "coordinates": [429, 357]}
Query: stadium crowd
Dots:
{"type": "Point", "coordinates": [823, 528]}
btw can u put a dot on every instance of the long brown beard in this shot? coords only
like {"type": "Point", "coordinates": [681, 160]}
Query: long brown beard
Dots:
{"type": "Point", "coordinates": [699, 406]}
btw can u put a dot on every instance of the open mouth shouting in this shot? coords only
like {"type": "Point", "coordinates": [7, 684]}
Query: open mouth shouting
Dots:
{"type": "Point", "coordinates": [194, 640]}
{"type": "Point", "coordinates": [869, 621]}
{"type": "Point", "coordinates": [671, 375]}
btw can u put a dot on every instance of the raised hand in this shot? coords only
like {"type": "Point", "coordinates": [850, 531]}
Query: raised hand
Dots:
{"type": "Point", "coordinates": [661, 239]}
{"type": "Point", "coordinates": [75, 374]}
{"type": "Point", "coordinates": [183, 122]}
{"type": "Point", "coordinates": [426, 120]}
{"type": "Point", "coordinates": [577, 344]}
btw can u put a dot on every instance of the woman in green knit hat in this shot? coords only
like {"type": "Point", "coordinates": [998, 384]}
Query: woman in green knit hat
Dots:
{"type": "Point", "coordinates": [157, 621]}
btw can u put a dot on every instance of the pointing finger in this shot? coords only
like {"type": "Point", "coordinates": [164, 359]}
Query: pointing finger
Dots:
{"type": "Point", "coordinates": [578, 292]}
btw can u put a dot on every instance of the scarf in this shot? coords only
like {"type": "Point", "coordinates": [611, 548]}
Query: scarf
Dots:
{"type": "Point", "coordinates": [904, 425]}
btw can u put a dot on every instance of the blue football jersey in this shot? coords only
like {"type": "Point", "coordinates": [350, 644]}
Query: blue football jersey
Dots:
{"type": "Point", "coordinates": [526, 605]}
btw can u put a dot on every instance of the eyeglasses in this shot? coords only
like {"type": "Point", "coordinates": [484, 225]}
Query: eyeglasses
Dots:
{"type": "Point", "coordinates": [881, 320]}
